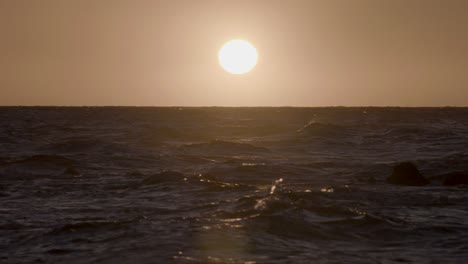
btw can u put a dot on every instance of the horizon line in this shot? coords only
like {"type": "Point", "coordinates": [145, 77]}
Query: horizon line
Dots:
{"type": "Point", "coordinates": [244, 106]}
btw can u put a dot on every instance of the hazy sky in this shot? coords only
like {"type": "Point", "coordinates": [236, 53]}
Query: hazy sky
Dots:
{"type": "Point", "coordinates": [311, 53]}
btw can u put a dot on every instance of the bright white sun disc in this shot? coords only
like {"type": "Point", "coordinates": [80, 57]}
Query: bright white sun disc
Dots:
{"type": "Point", "coordinates": [238, 56]}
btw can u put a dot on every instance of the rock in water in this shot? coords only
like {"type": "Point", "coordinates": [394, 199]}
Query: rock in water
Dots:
{"type": "Point", "coordinates": [406, 173]}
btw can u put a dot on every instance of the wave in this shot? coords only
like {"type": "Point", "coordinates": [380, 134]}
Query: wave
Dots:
{"type": "Point", "coordinates": [75, 144]}
{"type": "Point", "coordinates": [208, 182]}
{"type": "Point", "coordinates": [90, 226]}
{"type": "Point", "coordinates": [223, 147]}
{"type": "Point", "coordinates": [39, 165]}
{"type": "Point", "coordinates": [248, 174]}
{"type": "Point", "coordinates": [322, 129]}
{"type": "Point", "coordinates": [162, 177]}
{"type": "Point", "coordinates": [305, 214]}
{"type": "Point", "coordinates": [46, 160]}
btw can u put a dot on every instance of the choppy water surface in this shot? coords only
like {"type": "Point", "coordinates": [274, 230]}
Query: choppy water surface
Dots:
{"type": "Point", "coordinates": [230, 185]}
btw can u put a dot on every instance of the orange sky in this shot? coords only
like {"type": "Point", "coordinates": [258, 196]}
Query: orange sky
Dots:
{"type": "Point", "coordinates": [164, 53]}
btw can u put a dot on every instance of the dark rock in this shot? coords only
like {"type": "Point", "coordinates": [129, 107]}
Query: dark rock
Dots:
{"type": "Point", "coordinates": [406, 173]}
{"type": "Point", "coordinates": [455, 178]}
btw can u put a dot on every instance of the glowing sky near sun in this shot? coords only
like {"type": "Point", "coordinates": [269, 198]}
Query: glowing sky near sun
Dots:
{"type": "Point", "coordinates": [313, 53]}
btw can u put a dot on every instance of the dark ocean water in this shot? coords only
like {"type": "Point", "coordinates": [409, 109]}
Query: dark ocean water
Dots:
{"type": "Point", "coordinates": [230, 185]}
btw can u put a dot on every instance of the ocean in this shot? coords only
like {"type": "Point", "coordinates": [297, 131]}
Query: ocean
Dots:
{"type": "Point", "coordinates": [231, 185]}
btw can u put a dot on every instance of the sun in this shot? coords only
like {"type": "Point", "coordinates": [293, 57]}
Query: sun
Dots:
{"type": "Point", "coordinates": [238, 56]}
